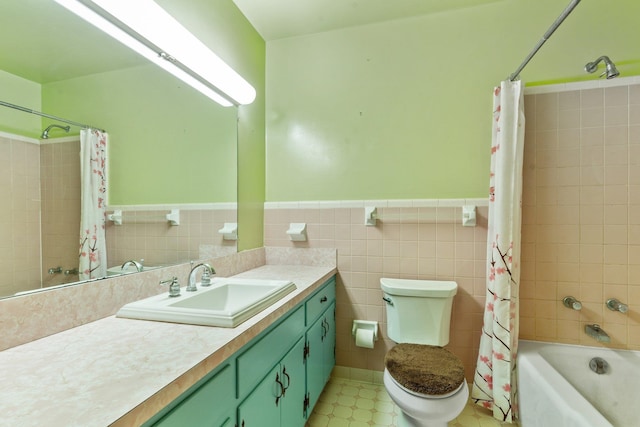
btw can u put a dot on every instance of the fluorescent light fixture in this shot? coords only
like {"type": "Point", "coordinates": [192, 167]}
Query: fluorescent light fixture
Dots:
{"type": "Point", "coordinates": [150, 31]}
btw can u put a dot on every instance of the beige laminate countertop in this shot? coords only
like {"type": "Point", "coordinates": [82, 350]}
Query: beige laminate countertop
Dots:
{"type": "Point", "coordinates": [120, 371]}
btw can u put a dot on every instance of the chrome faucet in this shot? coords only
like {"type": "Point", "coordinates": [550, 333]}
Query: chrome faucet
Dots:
{"type": "Point", "coordinates": [174, 286]}
{"type": "Point", "coordinates": [572, 303]}
{"type": "Point", "coordinates": [204, 281]}
{"type": "Point", "coordinates": [614, 305]}
{"type": "Point", "coordinates": [136, 264]}
{"type": "Point", "coordinates": [55, 270]}
{"type": "Point", "coordinates": [594, 331]}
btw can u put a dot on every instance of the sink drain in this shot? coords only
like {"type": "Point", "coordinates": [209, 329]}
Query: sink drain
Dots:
{"type": "Point", "coordinates": [599, 365]}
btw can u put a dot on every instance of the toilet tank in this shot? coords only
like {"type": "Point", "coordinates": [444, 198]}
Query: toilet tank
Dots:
{"type": "Point", "coordinates": [418, 311]}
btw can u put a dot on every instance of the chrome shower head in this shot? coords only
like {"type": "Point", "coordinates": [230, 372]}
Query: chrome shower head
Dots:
{"type": "Point", "coordinates": [45, 133]}
{"type": "Point", "coordinates": [610, 68]}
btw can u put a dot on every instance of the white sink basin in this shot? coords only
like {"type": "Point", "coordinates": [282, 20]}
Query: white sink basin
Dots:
{"type": "Point", "coordinates": [226, 303]}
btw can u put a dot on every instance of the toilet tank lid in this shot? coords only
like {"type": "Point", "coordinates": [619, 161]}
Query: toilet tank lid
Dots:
{"type": "Point", "coordinates": [419, 288]}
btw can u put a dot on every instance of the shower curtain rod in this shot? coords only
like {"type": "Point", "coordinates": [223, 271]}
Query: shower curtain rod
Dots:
{"type": "Point", "coordinates": [545, 37]}
{"type": "Point", "coordinates": [49, 116]}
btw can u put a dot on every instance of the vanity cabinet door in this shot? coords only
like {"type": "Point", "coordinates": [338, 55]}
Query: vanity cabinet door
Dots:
{"type": "Point", "coordinates": [293, 373]}
{"type": "Point", "coordinates": [329, 343]}
{"type": "Point", "coordinates": [314, 364]}
{"type": "Point", "coordinates": [321, 342]}
{"type": "Point", "coordinates": [262, 407]}
{"type": "Point", "coordinates": [279, 398]}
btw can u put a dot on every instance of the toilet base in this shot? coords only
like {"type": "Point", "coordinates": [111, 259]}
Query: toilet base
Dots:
{"type": "Point", "coordinates": [431, 412]}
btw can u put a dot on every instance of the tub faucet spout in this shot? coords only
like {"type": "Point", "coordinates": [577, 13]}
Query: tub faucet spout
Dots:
{"type": "Point", "coordinates": [595, 331]}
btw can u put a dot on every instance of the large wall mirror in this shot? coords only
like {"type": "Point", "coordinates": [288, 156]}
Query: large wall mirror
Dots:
{"type": "Point", "coordinates": [171, 149]}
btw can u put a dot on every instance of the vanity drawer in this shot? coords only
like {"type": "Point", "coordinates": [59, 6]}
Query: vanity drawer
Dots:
{"type": "Point", "coordinates": [319, 302]}
{"type": "Point", "coordinates": [254, 363]}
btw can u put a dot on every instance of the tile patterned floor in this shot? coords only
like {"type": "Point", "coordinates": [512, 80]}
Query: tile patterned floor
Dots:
{"type": "Point", "coordinates": [348, 403]}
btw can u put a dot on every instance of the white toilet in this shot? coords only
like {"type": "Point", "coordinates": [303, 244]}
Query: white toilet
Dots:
{"type": "Point", "coordinates": [425, 380]}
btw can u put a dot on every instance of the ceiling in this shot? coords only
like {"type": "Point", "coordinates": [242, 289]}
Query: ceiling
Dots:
{"type": "Point", "coordinates": [275, 19]}
{"type": "Point", "coordinates": [43, 42]}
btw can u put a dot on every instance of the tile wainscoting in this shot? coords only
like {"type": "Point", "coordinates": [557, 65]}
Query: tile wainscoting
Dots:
{"type": "Point", "coordinates": [419, 239]}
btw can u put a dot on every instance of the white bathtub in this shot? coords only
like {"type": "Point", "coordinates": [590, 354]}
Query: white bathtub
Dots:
{"type": "Point", "coordinates": [557, 387]}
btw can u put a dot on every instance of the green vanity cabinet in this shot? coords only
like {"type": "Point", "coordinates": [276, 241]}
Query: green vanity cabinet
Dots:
{"type": "Point", "coordinates": [273, 381]}
{"type": "Point", "coordinates": [278, 400]}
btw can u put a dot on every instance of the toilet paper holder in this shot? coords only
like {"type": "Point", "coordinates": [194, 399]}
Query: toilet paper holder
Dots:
{"type": "Point", "coordinates": [365, 324]}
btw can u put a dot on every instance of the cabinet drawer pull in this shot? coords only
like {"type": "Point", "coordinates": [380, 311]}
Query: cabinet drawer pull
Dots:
{"type": "Point", "coordinates": [323, 299]}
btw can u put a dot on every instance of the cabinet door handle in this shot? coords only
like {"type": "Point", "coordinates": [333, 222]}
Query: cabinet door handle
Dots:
{"type": "Point", "coordinates": [325, 328]}
{"type": "Point", "coordinates": [288, 380]}
{"type": "Point", "coordinates": [281, 389]}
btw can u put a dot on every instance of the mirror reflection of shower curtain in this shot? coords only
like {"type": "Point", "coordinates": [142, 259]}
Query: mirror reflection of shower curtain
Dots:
{"type": "Point", "coordinates": [494, 383]}
{"type": "Point", "coordinates": [93, 250]}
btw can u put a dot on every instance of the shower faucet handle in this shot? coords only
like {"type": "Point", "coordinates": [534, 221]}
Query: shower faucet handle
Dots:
{"type": "Point", "coordinates": [572, 303]}
{"type": "Point", "coordinates": [615, 305]}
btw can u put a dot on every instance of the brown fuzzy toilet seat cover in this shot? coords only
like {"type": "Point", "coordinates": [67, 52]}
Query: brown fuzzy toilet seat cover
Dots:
{"type": "Point", "coordinates": [425, 369]}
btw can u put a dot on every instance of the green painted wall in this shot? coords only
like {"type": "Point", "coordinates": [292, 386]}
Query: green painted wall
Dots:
{"type": "Point", "coordinates": [168, 143]}
{"type": "Point", "coordinates": [19, 91]}
{"type": "Point", "coordinates": [245, 51]}
{"type": "Point", "coordinates": [403, 109]}
{"type": "Point", "coordinates": [219, 23]}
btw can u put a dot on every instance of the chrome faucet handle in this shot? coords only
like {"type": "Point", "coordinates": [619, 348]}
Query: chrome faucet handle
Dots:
{"type": "Point", "coordinates": [55, 270]}
{"type": "Point", "coordinates": [174, 286]}
{"type": "Point", "coordinates": [614, 304]}
{"type": "Point", "coordinates": [205, 280]}
{"type": "Point", "coordinates": [572, 303]}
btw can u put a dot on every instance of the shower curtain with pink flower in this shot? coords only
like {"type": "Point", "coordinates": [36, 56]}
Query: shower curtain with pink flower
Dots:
{"type": "Point", "coordinates": [93, 249]}
{"type": "Point", "coordinates": [494, 383]}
